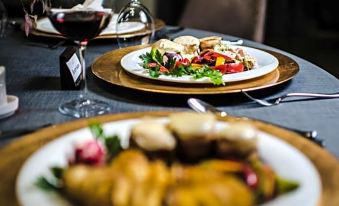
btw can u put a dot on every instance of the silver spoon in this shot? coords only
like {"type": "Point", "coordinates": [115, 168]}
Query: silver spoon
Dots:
{"type": "Point", "coordinates": [202, 107]}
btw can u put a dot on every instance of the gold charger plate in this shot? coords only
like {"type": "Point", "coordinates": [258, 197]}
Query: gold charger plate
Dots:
{"type": "Point", "coordinates": [159, 24]}
{"type": "Point", "coordinates": [107, 68]}
{"type": "Point", "coordinates": [15, 154]}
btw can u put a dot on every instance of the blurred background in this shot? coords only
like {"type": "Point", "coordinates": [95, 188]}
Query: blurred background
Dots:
{"type": "Point", "coordinates": [306, 28]}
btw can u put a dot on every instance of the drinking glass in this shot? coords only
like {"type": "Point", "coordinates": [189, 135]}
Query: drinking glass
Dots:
{"type": "Point", "coordinates": [3, 19]}
{"type": "Point", "coordinates": [3, 95]}
{"type": "Point", "coordinates": [135, 25]}
{"type": "Point", "coordinates": [80, 24]}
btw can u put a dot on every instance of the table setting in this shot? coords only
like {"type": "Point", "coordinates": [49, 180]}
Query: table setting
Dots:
{"type": "Point", "coordinates": [117, 108]}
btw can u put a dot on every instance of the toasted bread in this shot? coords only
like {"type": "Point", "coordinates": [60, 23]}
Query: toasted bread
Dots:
{"type": "Point", "coordinates": [164, 45]}
{"type": "Point", "coordinates": [209, 42]}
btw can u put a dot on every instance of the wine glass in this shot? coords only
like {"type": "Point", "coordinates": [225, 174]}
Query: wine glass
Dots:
{"type": "Point", "coordinates": [135, 25]}
{"type": "Point", "coordinates": [80, 24]}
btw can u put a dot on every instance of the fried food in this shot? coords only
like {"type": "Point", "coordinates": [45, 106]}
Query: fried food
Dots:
{"type": "Point", "coordinates": [238, 138]}
{"type": "Point", "coordinates": [131, 179]}
{"type": "Point", "coordinates": [193, 132]}
{"type": "Point", "coordinates": [152, 136]}
{"type": "Point", "coordinates": [88, 186]}
{"type": "Point", "coordinates": [212, 164]}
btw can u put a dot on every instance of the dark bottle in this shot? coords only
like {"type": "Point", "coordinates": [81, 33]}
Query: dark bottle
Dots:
{"type": "Point", "coordinates": [71, 77]}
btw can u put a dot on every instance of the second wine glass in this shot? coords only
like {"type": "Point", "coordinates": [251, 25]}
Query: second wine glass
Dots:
{"type": "Point", "coordinates": [81, 24]}
{"type": "Point", "coordinates": [131, 17]}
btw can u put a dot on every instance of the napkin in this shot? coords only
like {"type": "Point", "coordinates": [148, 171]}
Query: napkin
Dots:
{"type": "Point", "coordinates": [90, 4]}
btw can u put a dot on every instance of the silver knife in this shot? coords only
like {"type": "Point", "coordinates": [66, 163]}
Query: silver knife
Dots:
{"type": "Point", "coordinates": [201, 106]}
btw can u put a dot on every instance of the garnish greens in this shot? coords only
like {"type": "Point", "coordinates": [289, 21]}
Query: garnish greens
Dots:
{"type": "Point", "coordinates": [112, 143]}
{"type": "Point", "coordinates": [53, 184]}
{"type": "Point", "coordinates": [285, 186]}
{"type": "Point", "coordinates": [156, 56]}
{"type": "Point", "coordinates": [154, 71]}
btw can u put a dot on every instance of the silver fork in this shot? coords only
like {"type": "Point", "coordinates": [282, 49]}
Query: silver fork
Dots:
{"type": "Point", "coordinates": [278, 100]}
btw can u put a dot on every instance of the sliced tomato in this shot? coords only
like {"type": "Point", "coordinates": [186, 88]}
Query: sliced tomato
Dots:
{"type": "Point", "coordinates": [152, 65]}
{"type": "Point", "coordinates": [197, 60]}
{"type": "Point", "coordinates": [230, 68]}
{"type": "Point", "coordinates": [185, 62]}
{"type": "Point", "coordinates": [213, 55]}
{"type": "Point", "coordinates": [163, 69]}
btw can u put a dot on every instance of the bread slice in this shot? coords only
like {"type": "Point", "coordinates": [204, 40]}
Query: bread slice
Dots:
{"type": "Point", "coordinates": [191, 46]}
{"type": "Point", "coordinates": [165, 45]}
{"type": "Point", "coordinates": [209, 42]}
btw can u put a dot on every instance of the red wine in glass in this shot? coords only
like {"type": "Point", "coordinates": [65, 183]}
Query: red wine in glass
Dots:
{"type": "Point", "coordinates": [80, 25]}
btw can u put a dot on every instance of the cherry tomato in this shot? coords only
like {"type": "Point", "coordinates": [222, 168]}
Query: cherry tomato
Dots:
{"type": "Point", "coordinates": [230, 68]}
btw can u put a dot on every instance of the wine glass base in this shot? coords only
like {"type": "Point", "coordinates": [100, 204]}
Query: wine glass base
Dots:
{"type": "Point", "coordinates": [84, 107]}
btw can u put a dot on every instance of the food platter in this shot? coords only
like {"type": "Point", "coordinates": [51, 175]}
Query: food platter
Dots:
{"type": "Point", "coordinates": [266, 64]}
{"type": "Point", "coordinates": [326, 165]}
{"type": "Point", "coordinates": [44, 28]}
{"type": "Point", "coordinates": [273, 151]}
{"type": "Point", "coordinates": [108, 68]}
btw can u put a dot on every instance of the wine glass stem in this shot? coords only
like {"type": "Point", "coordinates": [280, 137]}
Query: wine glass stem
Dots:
{"type": "Point", "coordinates": [82, 50]}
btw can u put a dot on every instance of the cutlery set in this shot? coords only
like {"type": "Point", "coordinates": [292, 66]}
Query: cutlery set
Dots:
{"type": "Point", "coordinates": [201, 106]}
{"type": "Point", "coordinates": [278, 100]}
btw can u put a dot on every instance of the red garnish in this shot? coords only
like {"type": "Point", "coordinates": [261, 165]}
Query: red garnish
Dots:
{"type": "Point", "coordinates": [184, 62]}
{"type": "Point", "coordinates": [91, 152]}
{"type": "Point", "coordinates": [197, 60]}
{"type": "Point", "coordinates": [230, 68]}
{"type": "Point", "coordinates": [212, 55]}
{"type": "Point", "coordinates": [163, 69]}
{"type": "Point", "coordinates": [152, 65]}
{"type": "Point", "coordinates": [250, 177]}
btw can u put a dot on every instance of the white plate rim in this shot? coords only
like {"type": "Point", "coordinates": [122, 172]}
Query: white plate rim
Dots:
{"type": "Point", "coordinates": [45, 25]}
{"type": "Point", "coordinates": [130, 63]}
{"type": "Point", "coordinates": [276, 145]}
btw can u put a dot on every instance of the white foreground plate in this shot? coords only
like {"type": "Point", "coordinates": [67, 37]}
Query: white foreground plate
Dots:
{"type": "Point", "coordinates": [266, 63]}
{"type": "Point", "coordinates": [286, 161]}
{"type": "Point", "coordinates": [45, 25]}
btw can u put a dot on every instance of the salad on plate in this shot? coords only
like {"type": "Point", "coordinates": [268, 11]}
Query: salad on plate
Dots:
{"type": "Point", "coordinates": [187, 55]}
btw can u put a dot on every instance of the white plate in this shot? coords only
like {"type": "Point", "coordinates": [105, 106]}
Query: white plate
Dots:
{"type": "Point", "coordinates": [287, 161]}
{"type": "Point", "coordinates": [266, 63]}
{"type": "Point", "coordinates": [45, 25]}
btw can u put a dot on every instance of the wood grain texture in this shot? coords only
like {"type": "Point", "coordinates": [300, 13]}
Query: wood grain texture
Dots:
{"type": "Point", "coordinates": [108, 68]}
{"type": "Point", "coordinates": [15, 154]}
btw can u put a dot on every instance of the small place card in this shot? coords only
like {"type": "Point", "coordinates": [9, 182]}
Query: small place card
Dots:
{"type": "Point", "coordinates": [70, 70]}
{"type": "Point", "coordinates": [74, 67]}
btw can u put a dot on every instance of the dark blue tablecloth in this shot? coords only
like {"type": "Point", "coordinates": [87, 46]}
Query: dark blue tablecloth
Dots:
{"type": "Point", "coordinates": [33, 76]}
